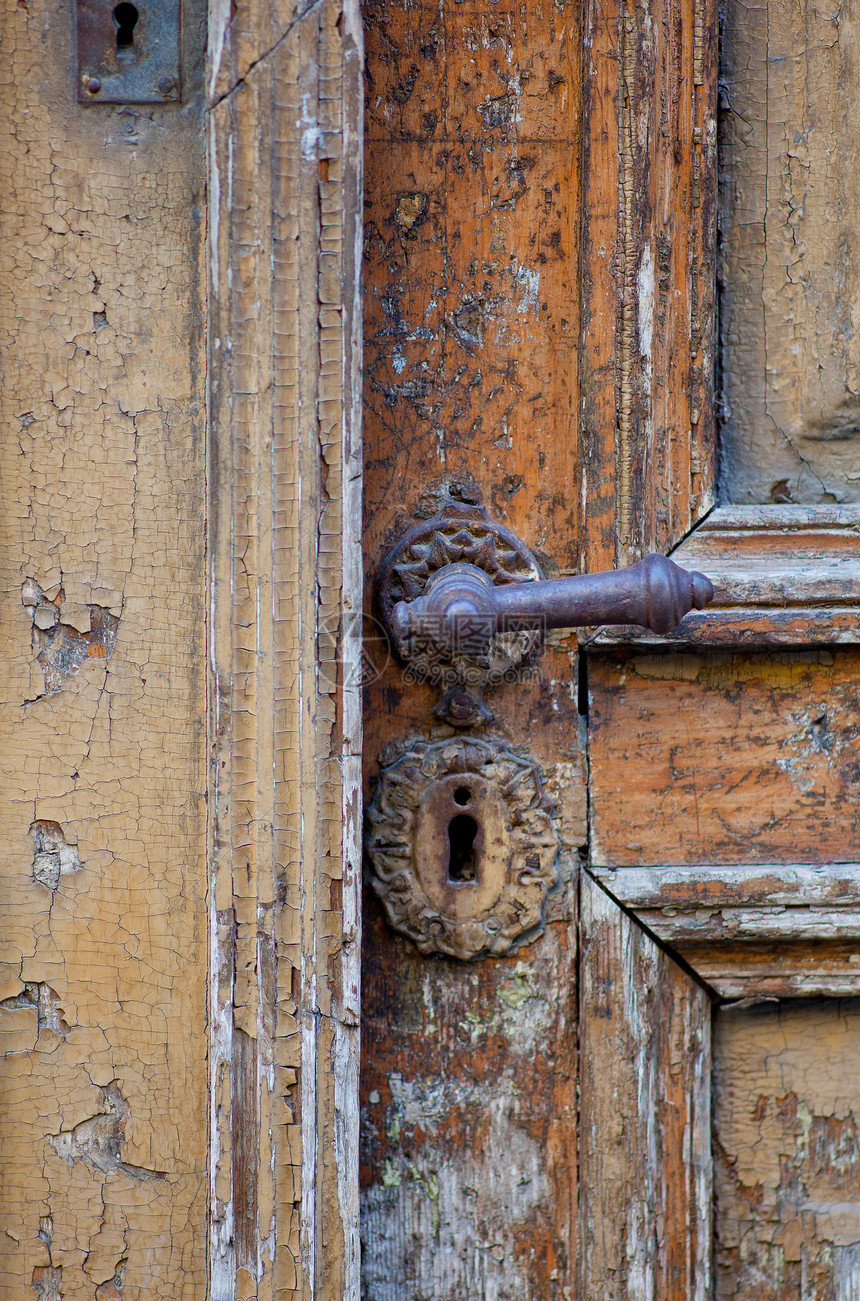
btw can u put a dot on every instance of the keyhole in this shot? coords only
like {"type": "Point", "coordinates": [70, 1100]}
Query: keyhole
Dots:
{"type": "Point", "coordinates": [125, 16]}
{"type": "Point", "coordinates": [462, 859]}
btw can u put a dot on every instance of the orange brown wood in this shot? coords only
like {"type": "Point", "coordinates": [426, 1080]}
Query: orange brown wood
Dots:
{"type": "Point", "coordinates": [471, 329]}
{"type": "Point", "coordinates": [471, 255]}
{"type": "Point", "coordinates": [649, 225]}
{"type": "Point", "coordinates": [724, 758]}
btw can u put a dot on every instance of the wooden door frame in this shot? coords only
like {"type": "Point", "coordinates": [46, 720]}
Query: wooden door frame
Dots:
{"type": "Point", "coordinates": [285, 96]}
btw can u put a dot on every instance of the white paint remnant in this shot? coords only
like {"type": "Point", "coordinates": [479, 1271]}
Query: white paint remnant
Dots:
{"type": "Point", "coordinates": [311, 133]}
{"type": "Point", "coordinates": [645, 297]}
{"type": "Point", "coordinates": [219, 20]}
{"type": "Point", "coordinates": [529, 282]}
{"type": "Point", "coordinates": [846, 1273]}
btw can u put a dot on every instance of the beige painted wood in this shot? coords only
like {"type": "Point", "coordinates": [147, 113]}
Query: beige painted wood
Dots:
{"type": "Point", "coordinates": [113, 624]}
{"type": "Point", "coordinates": [789, 197]}
{"type": "Point", "coordinates": [103, 749]}
{"type": "Point", "coordinates": [285, 477]}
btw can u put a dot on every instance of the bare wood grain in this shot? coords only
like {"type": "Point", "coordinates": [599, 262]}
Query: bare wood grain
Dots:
{"type": "Point", "coordinates": [647, 343]}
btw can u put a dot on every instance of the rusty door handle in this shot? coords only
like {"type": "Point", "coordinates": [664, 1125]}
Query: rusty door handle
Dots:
{"type": "Point", "coordinates": [462, 609]}
{"type": "Point", "coordinates": [464, 603]}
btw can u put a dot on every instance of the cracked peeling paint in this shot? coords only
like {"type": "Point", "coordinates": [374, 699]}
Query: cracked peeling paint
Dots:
{"type": "Point", "coordinates": [787, 1158]}
{"type": "Point", "coordinates": [53, 856]}
{"type": "Point", "coordinates": [98, 1140]}
{"type": "Point", "coordinates": [284, 916]}
{"type": "Point", "coordinates": [102, 810]}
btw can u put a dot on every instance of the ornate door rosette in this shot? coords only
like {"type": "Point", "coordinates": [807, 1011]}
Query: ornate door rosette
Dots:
{"type": "Point", "coordinates": [467, 903]}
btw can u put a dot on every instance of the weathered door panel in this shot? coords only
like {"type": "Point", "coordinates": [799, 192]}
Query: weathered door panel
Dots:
{"type": "Point", "coordinates": [104, 1086]}
{"type": "Point", "coordinates": [471, 255]}
{"type": "Point", "coordinates": [721, 845]}
{"type": "Point", "coordinates": [724, 757]}
{"type": "Point", "coordinates": [645, 1131]}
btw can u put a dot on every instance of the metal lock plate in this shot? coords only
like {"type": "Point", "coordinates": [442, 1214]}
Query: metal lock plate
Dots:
{"type": "Point", "coordinates": [461, 844]}
{"type": "Point", "coordinates": [128, 53]}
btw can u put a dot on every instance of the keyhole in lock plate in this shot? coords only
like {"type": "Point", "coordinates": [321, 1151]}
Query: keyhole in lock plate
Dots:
{"type": "Point", "coordinates": [125, 16]}
{"type": "Point", "coordinates": [462, 857]}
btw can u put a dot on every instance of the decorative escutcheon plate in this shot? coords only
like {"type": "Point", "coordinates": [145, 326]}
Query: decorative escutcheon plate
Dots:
{"type": "Point", "coordinates": [462, 534]}
{"type": "Point", "coordinates": [461, 844]}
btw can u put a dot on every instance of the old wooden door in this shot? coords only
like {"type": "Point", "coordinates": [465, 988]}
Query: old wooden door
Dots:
{"type": "Point", "coordinates": [652, 1092]}
{"type": "Point", "coordinates": [179, 510]}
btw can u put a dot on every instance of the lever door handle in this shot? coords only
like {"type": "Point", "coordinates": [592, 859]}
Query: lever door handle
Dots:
{"type": "Point", "coordinates": [464, 600]}
{"type": "Point", "coordinates": [462, 609]}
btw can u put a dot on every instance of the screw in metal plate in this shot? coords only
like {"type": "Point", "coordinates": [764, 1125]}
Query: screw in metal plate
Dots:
{"type": "Point", "coordinates": [165, 85]}
{"type": "Point", "coordinates": [93, 86]}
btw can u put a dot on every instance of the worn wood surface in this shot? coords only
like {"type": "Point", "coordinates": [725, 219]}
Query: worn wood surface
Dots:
{"type": "Point", "coordinates": [102, 803]}
{"type": "Point", "coordinates": [285, 474]}
{"type": "Point", "coordinates": [747, 932]}
{"type": "Point", "coordinates": [648, 325]}
{"type": "Point", "coordinates": [471, 243]}
{"type": "Point", "coordinates": [786, 1108]}
{"type": "Point", "coordinates": [789, 249]}
{"type": "Point", "coordinates": [471, 328]}
{"type": "Point", "coordinates": [783, 576]}
{"type": "Point", "coordinates": [724, 758]}
{"type": "Point", "coordinates": [469, 1121]}
{"type": "Point", "coordinates": [645, 1167]}
{"type": "Point", "coordinates": [738, 903]}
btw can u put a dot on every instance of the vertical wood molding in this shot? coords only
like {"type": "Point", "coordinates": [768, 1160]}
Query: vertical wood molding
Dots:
{"type": "Point", "coordinates": [285, 573]}
{"type": "Point", "coordinates": [645, 1125]}
{"type": "Point", "coordinates": [649, 186]}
